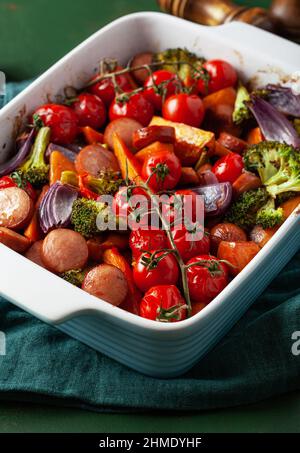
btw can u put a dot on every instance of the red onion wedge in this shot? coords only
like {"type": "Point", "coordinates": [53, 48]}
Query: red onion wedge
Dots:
{"type": "Point", "coordinates": [18, 159]}
{"type": "Point", "coordinates": [217, 197]}
{"type": "Point", "coordinates": [273, 124]}
{"type": "Point", "coordinates": [69, 154]}
{"type": "Point", "coordinates": [56, 207]}
{"type": "Point", "coordinates": [284, 99]}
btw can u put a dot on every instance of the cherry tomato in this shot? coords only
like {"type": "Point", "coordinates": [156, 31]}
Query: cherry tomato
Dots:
{"type": "Point", "coordinates": [155, 94]}
{"type": "Point", "coordinates": [135, 208]}
{"type": "Point", "coordinates": [184, 108]}
{"type": "Point", "coordinates": [239, 254]}
{"type": "Point", "coordinates": [62, 120]}
{"type": "Point", "coordinates": [105, 88]}
{"type": "Point", "coordinates": [165, 169]}
{"type": "Point", "coordinates": [206, 280]}
{"type": "Point", "coordinates": [144, 240]}
{"type": "Point", "coordinates": [136, 107]}
{"type": "Point", "coordinates": [221, 75]}
{"type": "Point", "coordinates": [15, 180]}
{"type": "Point", "coordinates": [182, 204]}
{"type": "Point", "coordinates": [191, 242]}
{"type": "Point", "coordinates": [228, 168]}
{"type": "Point", "coordinates": [155, 268]}
{"type": "Point", "coordinates": [163, 303]}
{"type": "Point", "coordinates": [90, 110]}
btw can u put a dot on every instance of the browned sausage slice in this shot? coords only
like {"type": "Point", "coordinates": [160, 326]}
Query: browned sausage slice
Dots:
{"type": "Point", "coordinates": [13, 240]}
{"type": "Point", "coordinates": [64, 250]}
{"type": "Point", "coordinates": [106, 282]}
{"type": "Point", "coordinates": [141, 59]}
{"type": "Point", "coordinates": [145, 136]}
{"type": "Point", "coordinates": [16, 208]}
{"type": "Point", "coordinates": [246, 181]}
{"type": "Point", "coordinates": [93, 159]}
{"type": "Point", "coordinates": [34, 254]}
{"type": "Point", "coordinates": [231, 142]}
{"type": "Point", "coordinates": [228, 232]}
{"type": "Point", "coordinates": [124, 127]}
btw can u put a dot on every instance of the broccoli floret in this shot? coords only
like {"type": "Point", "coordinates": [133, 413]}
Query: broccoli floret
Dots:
{"type": "Point", "coordinates": [84, 216]}
{"type": "Point", "coordinates": [284, 196]}
{"type": "Point", "coordinates": [107, 183]}
{"type": "Point", "coordinates": [74, 276]}
{"type": "Point", "coordinates": [268, 159]}
{"type": "Point", "coordinates": [289, 178]}
{"type": "Point", "coordinates": [241, 111]}
{"type": "Point", "coordinates": [268, 216]}
{"type": "Point", "coordinates": [34, 169]}
{"type": "Point", "coordinates": [174, 60]}
{"type": "Point", "coordinates": [243, 211]}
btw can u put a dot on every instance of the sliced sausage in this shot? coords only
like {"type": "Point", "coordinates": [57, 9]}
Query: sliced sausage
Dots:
{"type": "Point", "coordinates": [106, 282]}
{"type": "Point", "coordinates": [261, 236]}
{"type": "Point", "coordinates": [188, 177]}
{"type": "Point", "coordinates": [146, 135]}
{"type": "Point", "coordinates": [16, 208]}
{"type": "Point", "coordinates": [246, 181]}
{"type": "Point", "coordinates": [225, 232]}
{"type": "Point", "coordinates": [141, 59]}
{"type": "Point", "coordinates": [231, 142]}
{"type": "Point", "coordinates": [13, 240]}
{"type": "Point", "coordinates": [124, 127]}
{"type": "Point", "coordinates": [34, 253]}
{"type": "Point", "coordinates": [93, 159]}
{"type": "Point", "coordinates": [64, 250]}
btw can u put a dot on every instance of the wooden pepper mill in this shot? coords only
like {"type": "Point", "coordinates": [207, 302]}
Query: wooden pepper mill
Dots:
{"type": "Point", "coordinates": [283, 17]}
{"type": "Point", "coordinates": [216, 12]}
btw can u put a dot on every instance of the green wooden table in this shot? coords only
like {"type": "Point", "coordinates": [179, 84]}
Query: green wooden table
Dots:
{"type": "Point", "coordinates": [33, 35]}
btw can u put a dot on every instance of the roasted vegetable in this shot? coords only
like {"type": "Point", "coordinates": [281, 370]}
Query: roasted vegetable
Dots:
{"type": "Point", "coordinates": [269, 216]}
{"type": "Point", "coordinates": [277, 164]}
{"type": "Point", "coordinates": [244, 210]}
{"type": "Point", "coordinates": [74, 276]}
{"type": "Point", "coordinates": [241, 111]}
{"type": "Point", "coordinates": [84, 216]}
{"type": "Point", "coordinates": [34, 169]}
{"type": "Point", "coordinates": [183, 62]}
{"type": "Point", "coordinates": [273, 124]}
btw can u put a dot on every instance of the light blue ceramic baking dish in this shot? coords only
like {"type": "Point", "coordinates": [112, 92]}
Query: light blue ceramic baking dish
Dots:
{"type": "Point", "coordinates": [163, 350]}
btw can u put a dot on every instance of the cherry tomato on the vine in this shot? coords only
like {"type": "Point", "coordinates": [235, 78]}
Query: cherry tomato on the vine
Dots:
{"type": "Point", "coordinates": [155, 268]}
{"type": "Point", "coordinates": [184, 108]}
{"type": "Point", "coordinates": [136, 107]}
{"type": "Point", "coordinates": [105, 88]}
{"type": "Point", "coordinates": [157, 87]}
{"type": "Point", "coordinates": [182, 205]}
{"type": "Point", "coordinates": [164, 170]}
{"type": "Point", "coordinates": [133, 205]}
{"type": "Point", "coordinates": [191, 242]}
{"type": "Point", "coordinates": [228, 168]}
{"type": "Point", "coordinates": [143, 240]}
{"type": "Point", "coordinates": [221, 75]}
{"type": "Point", "coordinates": [207, 279]}
{"type": "Point", "coordinates": [163, 303]}
{"type": "Point", "coordinates": [90, 110]}
{"type": "Point", "coordinates": [62, 120]}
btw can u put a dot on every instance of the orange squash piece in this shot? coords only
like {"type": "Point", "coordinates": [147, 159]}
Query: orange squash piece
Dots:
{"type": "Point", "coordinates": [151, 150]}
{"type": "Point", "coordinates": [58, 164]}
{"type": "Point", "coordinates": [128, 163]}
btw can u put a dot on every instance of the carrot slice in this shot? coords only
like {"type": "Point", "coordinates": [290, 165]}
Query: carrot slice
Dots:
{"type": "Point", "coordinates": [129, 165]}
{"type": "Point", "coordinates": [58, 164]}
{"type": "Point", "coordinates": [255, 136]}
{"type": "Point", "coordinates": [112, 256]}
{"type": "Point", "coordinates": [33, 231]}
{"type": "Point", "coordinates": [226, 96]}
{"type": "Point", "coordinates": [91, 135]}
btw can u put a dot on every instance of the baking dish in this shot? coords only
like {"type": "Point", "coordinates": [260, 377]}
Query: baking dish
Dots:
{"type": "Point", "coordinates": [156, 349]}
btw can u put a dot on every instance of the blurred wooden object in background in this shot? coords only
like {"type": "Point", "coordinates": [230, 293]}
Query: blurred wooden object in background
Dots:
{"type": "Point", "coordinates": [283, 17]}
{"type": "Point", "coordinates": [287, 15]}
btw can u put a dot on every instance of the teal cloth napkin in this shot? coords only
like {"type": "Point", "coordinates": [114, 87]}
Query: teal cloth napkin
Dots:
{"type": "Point", "coordinates": [254, 361]}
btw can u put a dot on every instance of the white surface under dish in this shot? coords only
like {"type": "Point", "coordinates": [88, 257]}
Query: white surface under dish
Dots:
{"type": "Point", "coordinates": [157, 349]}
